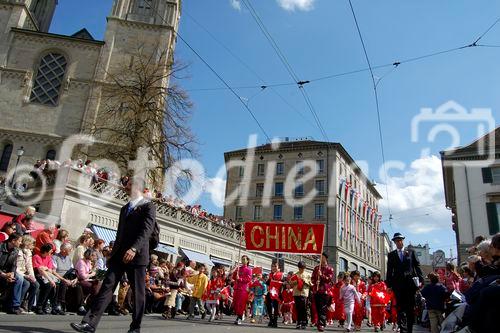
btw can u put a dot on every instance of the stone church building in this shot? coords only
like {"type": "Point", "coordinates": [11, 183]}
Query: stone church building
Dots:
{"type": "Point", "coordinates": [51, 85]}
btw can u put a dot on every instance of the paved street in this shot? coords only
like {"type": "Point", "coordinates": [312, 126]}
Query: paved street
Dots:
{"type": "Point", "coordinates": [151, 324]}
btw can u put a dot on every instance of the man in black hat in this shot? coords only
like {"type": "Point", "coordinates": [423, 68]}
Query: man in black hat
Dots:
{"type": "Point", "coordinates": [404, 277]}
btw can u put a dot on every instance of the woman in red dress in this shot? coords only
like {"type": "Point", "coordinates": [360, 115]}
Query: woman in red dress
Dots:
{"type": "Point", "coordinates": [242, 276]}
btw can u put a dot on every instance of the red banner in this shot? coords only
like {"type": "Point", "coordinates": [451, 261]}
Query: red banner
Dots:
{"type": "Point", "coordinates": [300, 238]}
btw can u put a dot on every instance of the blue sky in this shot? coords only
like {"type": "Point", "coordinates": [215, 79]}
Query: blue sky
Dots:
{"type": "Point", "coordinates": [320, 40]}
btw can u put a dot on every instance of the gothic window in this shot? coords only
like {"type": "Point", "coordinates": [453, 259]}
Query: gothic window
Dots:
{"type": "Point", "coordinates": [51, 155]}
{"type": "Point", "coordinates": [48, 80]}
{"type": "Point", "coordinates": [5, 159]}
{"type": "Point", "coordinates": [143, 7]}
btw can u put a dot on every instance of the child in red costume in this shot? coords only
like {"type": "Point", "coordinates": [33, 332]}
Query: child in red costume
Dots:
{"type": "Point", "coordinates": [392, 312]}
{"type": "Point", "coordinates": [339, 313]}
{"type": "Point", "coordinates": [379, 300]}
{"type": "Point", "coordinates": [359, 308]}
{"type": "Point", "coordinates": [288, 302]}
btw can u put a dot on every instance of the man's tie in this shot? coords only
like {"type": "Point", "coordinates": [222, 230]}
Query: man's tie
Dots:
{"type": "Point", "coordinates": [401, 255]}
{"type": "Point", "coordinates": [129, 208]}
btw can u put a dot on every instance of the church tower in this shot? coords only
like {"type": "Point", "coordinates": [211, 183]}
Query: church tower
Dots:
{"type": "Point", "coordinates": [43, 12]}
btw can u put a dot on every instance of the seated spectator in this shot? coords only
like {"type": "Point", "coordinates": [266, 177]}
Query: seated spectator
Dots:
{"type": "Point", "coordinates": [45, 237]}
{"type": "Point", "coordinates": [84, 243]}
{"type": "Point", "coordinates": [46, 276]}
{"type": "Point", "coordinates": [10, 282]}
{"type": "Point", "coordinates": [435, 295]}
{"type": "Point", "coordinates": [6, 231]}
{"type": "Point", "coordinates": [23, 221]}
{"type": "Point", "coordinates": [64, 267]}
{"type": "Point", "coordinates": [62, 237]}
{"type": "Point", "coordinates": [86, 273]}
{"type": "Point", "coordinates": [98, 248]}
{"type": "Point", "coordinates": [467, 279]}
{"type": "Point", "coordinates": [25, 269]}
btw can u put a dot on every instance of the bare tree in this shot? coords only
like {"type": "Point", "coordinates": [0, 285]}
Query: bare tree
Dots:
{"type": "Point", "coordinates": [141, 107]}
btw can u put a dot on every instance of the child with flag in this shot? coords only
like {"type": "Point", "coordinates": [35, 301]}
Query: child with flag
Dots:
{"type": "Point", "coordinates": [259, 289]}
{"type": "Point", "coordinates": [378, 301]}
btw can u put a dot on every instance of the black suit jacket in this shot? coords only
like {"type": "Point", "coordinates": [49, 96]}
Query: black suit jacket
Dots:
{"type": "Point", "coordinates": [400, 273]}
{"type": "Point", "coordinates": [134, 230]}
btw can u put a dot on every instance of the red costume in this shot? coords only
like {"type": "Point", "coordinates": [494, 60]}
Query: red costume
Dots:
{"type": "Point", "coordinates": [378, 302]}
{"type": "Point", "coordinates": [359, 308]}
{"type": "Point", "coordinates": [288, 301]}
{"type": "Point", "coordinates": [339, 313]}
{"type": "Point", "coordinates": [392, 312]}
{"type": "Point", "coordinates": [242, 277]}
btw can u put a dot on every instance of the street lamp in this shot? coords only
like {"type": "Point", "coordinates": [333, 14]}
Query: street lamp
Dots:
{"type": "Point", "coordinates": [20, 152]}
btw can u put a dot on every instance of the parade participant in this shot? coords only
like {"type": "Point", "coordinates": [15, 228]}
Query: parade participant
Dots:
{"type": "Point", "coordinates": [359, 308]}
{"type": "Point", "coordinates": [174, 283]}
{"type": "Point", "coordinates": [404, 277]}
{"type": "Point", "coordinates": [391, 310]}
{"type": "Point", "coordinates": [130, 254]}
{"type": "Point", "coordinates": [274, 284]}
{"type": "Point", "coordinates": [259, 289]}
{"type": "Point", "coordinates": [200, 282]}
{"type": "Point", "coordinates": [339, 313]}
{"type": "Point", "coordinates": [378, 301]}
{"type": "Point", "coordinates": [350, 298]}
{"type": "Point", "coordinates": [214, 288]}
{"type": "Point", "coordinates": [301, 283]}
{"type": "Point", "coordinates": [288, 303]}
{"type": "Point", "coordinates": [322, 278]}
{"type": "Point", "coordinates": [368, 308]}
{"type": "Point", "coordinates": [242, 276]}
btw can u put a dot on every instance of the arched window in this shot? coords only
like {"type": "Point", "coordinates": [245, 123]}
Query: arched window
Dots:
{"type": "Point", "coordinates": [342, 265]}
{"type": "Point", "coordinates": [48, 80]}
{"type": "Point", "coordinates": [5, 159]}
{"type": "Point", "coordinates": [51, 155]}
{"type": "Point", "coordinates": [353, 267]}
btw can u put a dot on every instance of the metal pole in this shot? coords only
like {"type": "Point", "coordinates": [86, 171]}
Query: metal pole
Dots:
{"type": "Point", "coordinates": [12, 183]}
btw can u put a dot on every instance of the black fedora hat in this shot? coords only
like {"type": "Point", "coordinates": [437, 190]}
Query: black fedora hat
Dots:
{"type": "Point", "coordinates": [397, 235]}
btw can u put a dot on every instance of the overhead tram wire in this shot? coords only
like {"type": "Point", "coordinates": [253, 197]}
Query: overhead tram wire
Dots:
{"type": "Point", "coordinates": [224, 82]}
{"type": "Point", "coordinates": [381, 139]}
{"type": "Point", "coordinates": [263, 86]}
{"type": "Point", "coordinates": [300, 84]}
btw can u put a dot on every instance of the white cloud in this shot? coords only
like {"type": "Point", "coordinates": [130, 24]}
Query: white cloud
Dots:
{"type": "Point", "coordinates": [236, 4]}
{"type": "Point", "coordinates": [292, 5]}
{"type": "Point", "coordinates": [417, 197]}
{"type": "Point", "coordinates": [217, 188]}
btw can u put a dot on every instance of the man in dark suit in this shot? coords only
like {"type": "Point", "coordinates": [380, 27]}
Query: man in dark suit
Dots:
{"type": "Point", "coordinates": [404, 277]}
{"type": "Point", "coordinates": [130, 255]}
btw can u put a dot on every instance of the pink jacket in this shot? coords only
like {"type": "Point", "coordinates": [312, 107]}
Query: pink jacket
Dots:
{"type": "Point", "coordinates": [244, 279]}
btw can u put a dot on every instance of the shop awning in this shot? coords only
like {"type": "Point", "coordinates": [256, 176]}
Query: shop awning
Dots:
{"type": "Point", "coordinates": [167, 249]}
{"type": "Point", "coordinates": [198, 257]}
{"type": "Point", "coordinates": [220, 261]}
{"type": "Point", "coordinates": [105, 234]}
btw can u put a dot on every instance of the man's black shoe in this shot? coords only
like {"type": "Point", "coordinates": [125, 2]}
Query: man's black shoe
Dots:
{"type": "Point", "coordinates": [82, 327]}
{"type": "Point", "coordinates": [137, 330]}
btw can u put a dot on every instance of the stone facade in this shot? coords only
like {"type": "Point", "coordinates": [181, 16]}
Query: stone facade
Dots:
{"type": "Point", "coordinates": [255, 178]}
{"type": "Point", "coordinates": [24, 42]}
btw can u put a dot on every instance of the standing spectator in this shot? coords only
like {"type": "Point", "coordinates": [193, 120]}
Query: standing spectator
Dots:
{"type": "Point", "coordinates": [435, 295]}
{"type": "Point", "coordinates": [84, 242]}
{"type": "Point", "coordinates": [451, 278]}
{"type": "Point", "coordinates": [25, 269]}
{"type": "Point", "coordinates": [200, 282]}
{"type": "Point", "coordinates": [23, 221]}
{"type": "Point", "coordinates": [322, 278]}
{"type": "Point", "coordinates": [45, 237]}
{"type": "Point", "coordinates": [10, 281]}
{"type": "Point", "coordinates": [64, 267]}
{"type": "Point", "coordinates": [403, 277]}
{"type": "Point", "coordinates": [62, 237]}
{"type": "Point", "coordinates": [44, 271]}
{"type": "Point", "coordinates": [301, 283]}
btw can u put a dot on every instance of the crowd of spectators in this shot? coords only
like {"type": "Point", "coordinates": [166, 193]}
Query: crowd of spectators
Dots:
{"type": "Point", "coordinates": [49, 169]}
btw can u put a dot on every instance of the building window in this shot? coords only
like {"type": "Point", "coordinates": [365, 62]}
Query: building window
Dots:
{"type": "Point", "coordinates": [51, 155]}
{"type": "Point", "coordinates": [238, 216]}
{"type": "Point", "coordinates": [495, 175]}
{"type": "Point", "coordinates": [493, 213]}
{"type": "Point", "coordinates": [362, 271]}
{"type": "Point", "coordinates": [278, 189]}
{"type": "Point", "coordinates": [320, 166]}
{"type": "Point", "coordinates": [319, 211]}
{"type": "Point", "coordinates": [143, 7]}
{"type": "Point", "coordinates": [241, 171]}
{"type": "Point", "coordinates": [48, 79]}
{"type": "Point", "coordinates": [298, 212]}
{"type": "Point", "coordinates": [260, 169]}
{"type": "Point", "coordinates": [280, 168]}
{"type": "Point", "coordinates": [6, 153]}
{"type": "Point", "coordinates": [342, 264]}
{"type": "Point", "coordinates": [320, 187]}
{"type": "Point", "coordinates": [257, 213]}
{"type": "Point", "coordinates": [259, 189]}
{"type": "Point", "coordinates": [278, 212]}
{"type": "Point", "coordinates": [299, 166]}
{"type": "Point", "coordinates": [299, 190]}
{"type": "Point", "coordinates": [353, 267]}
